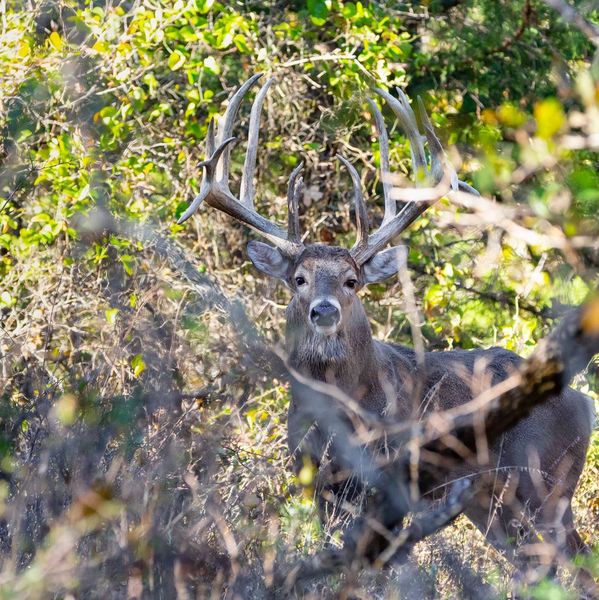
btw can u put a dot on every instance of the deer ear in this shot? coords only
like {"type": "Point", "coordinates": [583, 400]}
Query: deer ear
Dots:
{"type": "Point", "coordinates": [268, 259]}
{"type": "Point", "coordinates": [384, 264]}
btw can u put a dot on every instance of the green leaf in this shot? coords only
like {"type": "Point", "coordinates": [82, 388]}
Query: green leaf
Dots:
{"type": "Point", "coordinates": [6, 299]}
{"type": "Point", "coordinates": [241, 44]}
{"type": "Point", "coordinates": [127, 261]}
{"type": "Point", "coordinates": [111, 314]}
{"type": "Point", "coordinates": [176, 60]}
{"type": "Point", "coordinates": [138, 365]}
{"type": "Point", "coordinates": [188, 34]}
{"type": "Point", "coordinates": [349, 10]}
{"type": "Point", "coordinates": [319, 11]}
{"type": "Point", "coordinates": [211, 65]}
{"type": "Point", "coordinates": [180, 209]}
{"type": "Point", "coordinates": [579, 290]}
{"type": "Point", "coordinates": [204, 5]}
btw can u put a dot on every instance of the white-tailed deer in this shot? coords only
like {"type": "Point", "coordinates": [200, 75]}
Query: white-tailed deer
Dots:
{"type": "Point", "coordinates": [528, 477]}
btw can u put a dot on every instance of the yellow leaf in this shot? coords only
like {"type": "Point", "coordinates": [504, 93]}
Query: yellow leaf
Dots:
{"type": "Point", "coordinates": [100, 47]}
{"type": "Point", "coordinates": [24, 50]}
{"type": "Point", "coordinates": [489, 116]}
{"type": "Point", "coordinates": [66, 409]}
{"type": "Point", "coordinates": [55, 40]}
{"type": "Point", "coordinates": [550, 117]}
{"type": "Point", "coordinates": [138, 365]}
{"type": "Point", "coordinates": [306, 474]}
{"type": "Point", "coordinates": [511, 115]}
{"type": "Point", "coordinates": [111, 315]}
{"type": "Point", "coordinates": [176, 60]}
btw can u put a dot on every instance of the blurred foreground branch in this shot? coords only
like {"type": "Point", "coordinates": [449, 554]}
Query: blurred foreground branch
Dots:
{"type": "Point", "coordinates": [210, 293]}
{"type": "Point", "coordinates": [572, 17]}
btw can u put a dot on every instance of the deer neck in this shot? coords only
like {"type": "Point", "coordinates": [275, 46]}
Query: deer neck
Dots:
{"type": "Point", "coordinates": [346, 359]}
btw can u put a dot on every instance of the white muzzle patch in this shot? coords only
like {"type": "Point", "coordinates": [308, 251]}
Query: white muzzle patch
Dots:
{"type": "Point", "coordinates": [313, 315]}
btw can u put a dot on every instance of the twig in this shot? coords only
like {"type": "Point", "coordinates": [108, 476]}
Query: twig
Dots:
{"type": "Point", "coordinates": [318, 58]}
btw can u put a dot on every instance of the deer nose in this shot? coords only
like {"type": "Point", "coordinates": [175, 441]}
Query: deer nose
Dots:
{"type": "Point", "coordinates": [325, 314]}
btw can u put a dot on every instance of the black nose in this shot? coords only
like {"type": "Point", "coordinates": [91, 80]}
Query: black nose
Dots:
{"type": "Point", "coordinates": [325, 315]}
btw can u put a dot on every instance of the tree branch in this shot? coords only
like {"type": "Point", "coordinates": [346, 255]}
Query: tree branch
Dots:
{"type": "Point", "coordinates": [572, 17]}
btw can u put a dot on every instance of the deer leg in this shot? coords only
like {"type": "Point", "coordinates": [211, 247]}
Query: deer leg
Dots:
{"type": "Point", "coordinates": [497, 523]}
{"type": "Point", "coordinates": [518, 526]}
{"type": "Point", "coordinates": [555, 527]}
{"type": "Point", "coordinates": [573, 547]}
{"type": "Point", "coordinates": [508, 527]}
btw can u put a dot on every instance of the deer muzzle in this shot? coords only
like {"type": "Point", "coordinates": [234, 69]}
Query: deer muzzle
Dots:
{"type": "Point", "coordinates": [325, 315]}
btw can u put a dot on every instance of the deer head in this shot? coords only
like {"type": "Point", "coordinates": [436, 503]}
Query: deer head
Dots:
{"type": "Point", "coordinates": [324, 279]}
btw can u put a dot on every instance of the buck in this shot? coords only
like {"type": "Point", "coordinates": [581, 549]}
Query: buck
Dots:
{"type": "Point", "coordinates": [536, 465]}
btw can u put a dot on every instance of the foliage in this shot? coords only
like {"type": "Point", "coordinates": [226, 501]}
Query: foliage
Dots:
{"type": "Point", "coordinates": [116, 378]}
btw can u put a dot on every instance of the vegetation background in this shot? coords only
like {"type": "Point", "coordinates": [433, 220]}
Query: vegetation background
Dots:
{"type": "Point", "coordinates": [142, 447]}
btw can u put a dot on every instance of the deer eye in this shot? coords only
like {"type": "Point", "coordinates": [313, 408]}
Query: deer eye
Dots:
{"type": "Point", "coordinates": [351, 283]}
{"type": "Point", "coordinates": [300, 281]}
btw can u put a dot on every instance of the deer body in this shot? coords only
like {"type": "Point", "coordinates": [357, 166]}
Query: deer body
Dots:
{"type": "Point", "coordinates": [549, 446]}
{"type": "Point", "coordinates": [526, 479]}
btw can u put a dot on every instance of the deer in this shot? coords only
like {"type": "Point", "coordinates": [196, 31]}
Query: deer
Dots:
{"type": "Point", "coordinates": [529, 476]}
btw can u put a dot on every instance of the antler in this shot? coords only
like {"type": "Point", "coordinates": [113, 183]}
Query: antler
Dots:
{"type": "Point", "coordinates": [395, 221]}
{"type": "Point", "coordinates": [214, 188]}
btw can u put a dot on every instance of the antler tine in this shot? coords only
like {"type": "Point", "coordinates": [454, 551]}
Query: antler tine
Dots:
{"type": "Point", "coordinates": [294, 191]}
{"type": "Point", "coordinates": [210, 141]}
{"type": "Point", "coordinates": [209, 165]}
{"type": "Point", "coordinates": [214, 188]}
{"type": "Point", "coordinates": [390, 227]}
{"type": "Point", "coordinates": [247, 191]}
{"type": "Point", "coordinates": [468, 189]}
{"type": "Point", "coordinates": [439, 167]}
{"type": "Point", "coordinates": [225, 125]}
{"type": "Point", "coordinates": [410, 126]}
{"type": "Point", "coordinates": [360, 208]}
{"type": "Point", "coordinates": [383, 137]}
{"type": "Point", "coordinates": [407, 119]}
